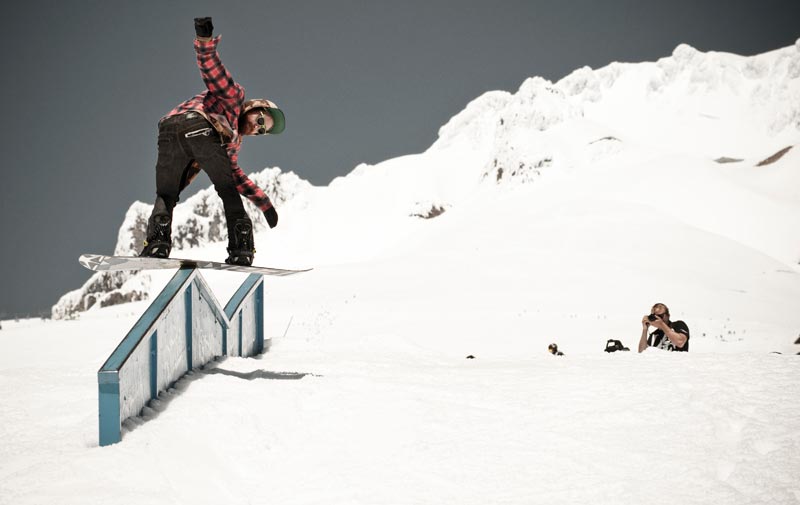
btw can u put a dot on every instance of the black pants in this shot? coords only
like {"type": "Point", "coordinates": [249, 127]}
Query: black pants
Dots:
{"type": "Point", "coordinates": [177, 152]}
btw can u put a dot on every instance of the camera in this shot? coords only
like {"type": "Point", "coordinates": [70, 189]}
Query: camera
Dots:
{"type": "Point", "coordinates": [651, 317]}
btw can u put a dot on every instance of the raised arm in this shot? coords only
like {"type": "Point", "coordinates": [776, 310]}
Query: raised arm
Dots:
{"type": "Point", "coordinates": [643, 338]}
{"type": "Point", "coordinates": [678, 334]}
{"type": "Point", "coordinates": [216, 77]}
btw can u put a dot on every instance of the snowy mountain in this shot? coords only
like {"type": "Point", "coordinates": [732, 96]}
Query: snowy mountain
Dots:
{"type": "Point", "coordinates": [198, 221]}
{"type": "Point", "coordinates": [639, 176]}
{"type": "Point", "coordinates": [558, 213]}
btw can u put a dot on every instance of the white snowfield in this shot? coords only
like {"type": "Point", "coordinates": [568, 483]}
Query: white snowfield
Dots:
{"type": "Point", "coordinates": [569, 210]}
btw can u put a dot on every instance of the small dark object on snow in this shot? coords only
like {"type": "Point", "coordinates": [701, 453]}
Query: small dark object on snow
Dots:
{"type": "Point", "coordinates": [775, 157]}
{"type": "Point", "coordinates": [553, 349]}
{"type": "Point", "coordinates": [615, 345]}
{"type": "Point", "coordinates": [470, 357]}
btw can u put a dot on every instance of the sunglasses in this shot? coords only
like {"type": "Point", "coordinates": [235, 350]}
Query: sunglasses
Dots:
{"type": "Point", "coordinates": [262, 129]}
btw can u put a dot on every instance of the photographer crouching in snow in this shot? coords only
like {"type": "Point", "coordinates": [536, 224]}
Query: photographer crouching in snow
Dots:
{"type": "Point", "coordinates": [670, 336]}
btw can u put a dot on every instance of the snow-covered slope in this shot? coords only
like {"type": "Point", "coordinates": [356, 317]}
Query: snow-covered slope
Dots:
{"type": "Point", "coordinates": [380, 420]}
{"type": "Point", "coordinates": [558, 213]}
{"type": "Point", "coordinates": [571, 207]}
{"type": "Point", "coordinates": [611, 189]}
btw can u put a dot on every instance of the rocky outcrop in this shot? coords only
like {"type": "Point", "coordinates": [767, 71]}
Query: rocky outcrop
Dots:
{"type": "Point", "coordinates": [197, 222]}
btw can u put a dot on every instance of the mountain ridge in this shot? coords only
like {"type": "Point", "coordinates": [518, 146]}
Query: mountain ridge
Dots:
{"type": "Point", "coordinates": [680, 113]}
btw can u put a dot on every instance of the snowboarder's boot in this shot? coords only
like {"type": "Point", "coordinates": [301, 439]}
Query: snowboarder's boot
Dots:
{"type": "Point", "coordinates": [158, 243]}
{"type": "Point", "coordinates": [241, 247]}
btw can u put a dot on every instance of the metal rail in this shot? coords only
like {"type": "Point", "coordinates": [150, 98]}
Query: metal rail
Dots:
{"type": "Point", "coordinates": [185, 327]}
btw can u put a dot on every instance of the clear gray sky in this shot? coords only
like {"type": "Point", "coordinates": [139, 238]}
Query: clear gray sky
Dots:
{"type": "Point", "coordinates": [84, 83]}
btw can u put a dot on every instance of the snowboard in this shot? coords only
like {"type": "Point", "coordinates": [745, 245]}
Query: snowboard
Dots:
{"type": "Point", "coordinates": [102, 263]}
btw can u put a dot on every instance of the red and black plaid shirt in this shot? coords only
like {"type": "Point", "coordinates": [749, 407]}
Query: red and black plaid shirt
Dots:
{"type": "Point", "coordinates": [222, 104]}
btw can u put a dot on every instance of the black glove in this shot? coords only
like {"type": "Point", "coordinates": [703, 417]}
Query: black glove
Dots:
{"type": "Point", "coordinates": [203, 27]}
{"type": "Point", "coordinates": [272, 217]}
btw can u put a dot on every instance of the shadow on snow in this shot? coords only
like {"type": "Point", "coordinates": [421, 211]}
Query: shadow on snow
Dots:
{"type": "Point", "coordinates": [158, 405]}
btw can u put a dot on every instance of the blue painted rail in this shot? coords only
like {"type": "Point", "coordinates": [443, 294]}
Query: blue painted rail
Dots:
{"type": "Point", "coordinates": [185, 327]}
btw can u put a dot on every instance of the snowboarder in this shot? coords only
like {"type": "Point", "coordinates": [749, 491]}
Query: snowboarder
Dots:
{"type": "Point", "coordinates": [553, 349]}
{"type": "Point", "coordinates": [205, 133]}
{"type": "Point", "coordinates": [670, 336]}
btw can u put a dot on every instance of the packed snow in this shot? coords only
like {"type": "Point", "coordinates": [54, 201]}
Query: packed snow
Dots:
{"type": "Point", "coordinates": [559, 213]}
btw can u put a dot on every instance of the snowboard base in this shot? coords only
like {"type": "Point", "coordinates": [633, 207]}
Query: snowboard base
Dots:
{"type": "Point", "coordinates": [103, 263]}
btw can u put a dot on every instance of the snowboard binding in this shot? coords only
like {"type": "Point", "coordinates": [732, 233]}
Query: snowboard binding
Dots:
{"type": "Point", "coordinates": [158, 243]}
{"type": "Point", "coordinates": [241, 247]}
